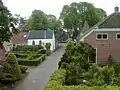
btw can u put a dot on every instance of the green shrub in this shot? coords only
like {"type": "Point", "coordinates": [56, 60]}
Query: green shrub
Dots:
{"type": "Point", "coordinates": [27, 48]}
{"type": "Point", "coordinates": [22, 56]}
{"type": "Point", "coordinates": [57, 81]}
{"type": "Point", "coordinates": [7, 78]}
{"type": "Point", "coordinates": [23, 68]}
{"type": "Point", "coordinates": [110, 60]}
{"type": "Point", "coordinates": [47, 46]}
{"type": "Point", "coordinates": [12, 66]}
{"type": "Point", "coordinates": [32, 62]}
{"type": "Point", "coordinates": [41, 51]}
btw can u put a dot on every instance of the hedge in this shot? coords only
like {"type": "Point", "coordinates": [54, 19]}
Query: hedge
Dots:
{"type": "Point", "coordinates": [32, 62]}
{"type": "Point", "coordinates": [27, 48]}
{"type": "Point", "coordinates": [23, 68]}
{"type": "Point", "coordinates": [57, 80]}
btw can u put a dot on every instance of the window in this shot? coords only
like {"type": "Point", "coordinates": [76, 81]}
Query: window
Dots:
{"type": "Point", "coordinates": [99, 36]}
{"type": "Point", "coordinates": [33, 42]}
{"type": "Point", "coordinates": [118, 36]}
{"type": "Point", "coordinates": [102, 36]}
{"type": "Point", "coordinates": [40, 42]}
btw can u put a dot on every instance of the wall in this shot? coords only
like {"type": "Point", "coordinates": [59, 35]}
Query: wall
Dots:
{"type": "Point", "coordinates": [43, 42]}
{"type": "Point", "coordinates": [105, 47]}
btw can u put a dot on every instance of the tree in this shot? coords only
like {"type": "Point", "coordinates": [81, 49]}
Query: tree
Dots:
{"type": "Point", "coordinates": [5, 24]}
{"type": "Point", "coordinates": [37, 21]}
{"type": "Point", "coordinates": [20, 21]}
{"type": "Point", "coordinates": [41, 21]}
{"type": "Point", "coordinates": [13, 67]}
{"type": "Point", "coordinates": [74, 16]}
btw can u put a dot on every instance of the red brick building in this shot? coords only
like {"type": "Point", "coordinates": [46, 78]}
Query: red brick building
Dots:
{"type": "Point", "coordinates": [105, 38]}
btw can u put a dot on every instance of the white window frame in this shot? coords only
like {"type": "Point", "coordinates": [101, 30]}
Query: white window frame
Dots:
{"type": "Point", "coordinates": [116, 36]}
{"type": "Point", "coordinates": [102, 36]}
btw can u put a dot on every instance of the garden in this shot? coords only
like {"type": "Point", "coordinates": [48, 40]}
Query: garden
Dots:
{"type": "Point", "coordinates": [76, 73]}
{"type": "Point", "coordinates": [15, 66]}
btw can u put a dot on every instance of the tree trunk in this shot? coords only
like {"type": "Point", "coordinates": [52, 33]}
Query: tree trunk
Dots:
{"type": "Point", "coordinates": [2, 51]}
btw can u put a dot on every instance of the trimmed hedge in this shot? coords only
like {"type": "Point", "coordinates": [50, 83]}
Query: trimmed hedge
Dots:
{"type": "Point", "coordinates": [23, 68]}
{"type": "Point", "coordinates": [58, 79]}
{"type": "Point", "coordinates": [27, 48]}
{"type": "Point", "coordinates": [32, 62]}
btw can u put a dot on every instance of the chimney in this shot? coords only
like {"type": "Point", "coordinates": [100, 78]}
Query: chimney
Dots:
{"type": "Point", "coordinates": [1, 3]}
{"type": "Point", "coordinates": [116, 9]}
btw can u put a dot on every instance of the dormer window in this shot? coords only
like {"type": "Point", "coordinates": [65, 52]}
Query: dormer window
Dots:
{"type": "Point", "coordinates": [101, 36]}
{"type": "Point", "coordinates": [118, 36]}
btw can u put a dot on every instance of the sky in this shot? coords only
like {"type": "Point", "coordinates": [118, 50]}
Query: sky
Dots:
{"type": "Point", "coordinates": [25, 7]}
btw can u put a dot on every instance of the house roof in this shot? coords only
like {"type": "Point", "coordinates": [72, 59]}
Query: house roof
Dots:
{"type": "Point", "coordinates": [20, 38]}
{"type": "Point", "coordinates": [111, 21]}
{"type": "Point", "coordinates": [41, 34]}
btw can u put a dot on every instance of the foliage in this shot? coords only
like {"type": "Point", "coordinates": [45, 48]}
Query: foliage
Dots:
{"type": "Point", "coordinates": [28, 48]}
{"type": "Point", "coordinates": [12, 67]}
{"type": "Point", "coordinates": [77, 53]}
{"type": "Point", "coordinates": [74, 74]}
{"type": "Point", "coordinates": [41, 51]}
{"type": "Point", "coordinates": [75, 15]}
{"type": "Point", "coordinates": [57, 81]}
{"type": "Point", "coordinates": [75, 61]}
{"type": "Point", "coordinates": [48, 46]}
{"type": "Point", "coordinates": [23, 68]}
{"type": "Point", "coordinates": [33, 61]}
{"type": "Point", "coordinates": [6, 22]}
{"type": "Point", "coordinates": [110, 60]}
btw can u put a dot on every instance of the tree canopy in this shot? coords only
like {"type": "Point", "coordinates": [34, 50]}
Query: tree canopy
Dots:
{"type": "Point", "coordinates": [75, 15]}
{"type": "Point", "coordinates": [5, 24]}
{"type": "Point", "coordinates": [39, 20]}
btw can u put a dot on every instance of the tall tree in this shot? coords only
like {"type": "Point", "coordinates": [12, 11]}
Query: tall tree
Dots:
{"type": "Point", "coordinates": [74, 16]}
{"type": "Point", "coordinates": [5, 24]}
{"type": "Point", "coordinates": [41, 21]}
{"type": "Point", "coordinates": [38, 20]}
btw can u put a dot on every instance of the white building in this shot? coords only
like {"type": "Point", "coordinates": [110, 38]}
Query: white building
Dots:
{"type": "Point", "coordinates": [41, 37]}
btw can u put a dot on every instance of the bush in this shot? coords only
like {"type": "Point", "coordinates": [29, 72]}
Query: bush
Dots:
{"type": "Point", "coordinates": [22, 56]}
{"type": "Point", "coordinates": [47, 46]}
{"type": "Point", "coordinates": [7, 78]}
{"type": "Point", "coordinates": [27, 48]}
{"type": "Point", "coordinates": [57, 81]}
{"type": "Point", "coordinates": [41, 51]}
{"type": "Point", "coordinates": [12, 66]}
{"type": "Point", "coordinates": [23, 68]}
{"type": "Point", "coordinates": [32, 62]}
{"type": "Point", "coordinates": [110, 60]}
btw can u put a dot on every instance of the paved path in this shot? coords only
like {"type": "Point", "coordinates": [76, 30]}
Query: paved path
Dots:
{"type": "Point", "coordinates": [39, 76]}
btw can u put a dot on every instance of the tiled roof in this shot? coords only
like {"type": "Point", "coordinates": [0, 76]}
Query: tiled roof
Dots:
{"type": "Point", "coordinates": [20, 38]}
{"type": "Point", "coordinates": [113, 21]}
{"type": "Point", "coordinates": [41, 34]}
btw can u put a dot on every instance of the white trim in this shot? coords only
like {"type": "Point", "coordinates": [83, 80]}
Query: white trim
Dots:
{"type": "Point", "coordinates": [101, 30]}
{"type": "Point", "coordinates": [107, 29]}
{"type": "Point", "coordinates": [82, 39]}
{"type": "Point", "coordinates": [102, 36]}
{"type": "Point", "coordinates": [116, 36]}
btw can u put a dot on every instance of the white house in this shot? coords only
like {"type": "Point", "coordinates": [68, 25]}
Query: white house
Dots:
{"type": "Point", "coordinates": [40, 37]}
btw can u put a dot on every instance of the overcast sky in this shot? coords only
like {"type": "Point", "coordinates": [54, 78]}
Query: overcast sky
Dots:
{"type": "Point", "coordinates": [25, 7]}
